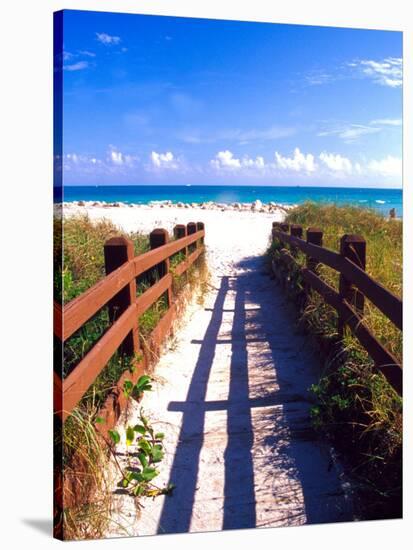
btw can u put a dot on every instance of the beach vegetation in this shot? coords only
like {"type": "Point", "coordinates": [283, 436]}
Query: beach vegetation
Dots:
{"type": "Point", "coordinates": [78, 265]}
{"type": "Point", "coordinates": [354, 405]}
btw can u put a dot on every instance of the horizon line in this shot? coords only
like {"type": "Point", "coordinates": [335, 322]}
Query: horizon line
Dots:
{"type": "Point", "coordinates": [227, 185]}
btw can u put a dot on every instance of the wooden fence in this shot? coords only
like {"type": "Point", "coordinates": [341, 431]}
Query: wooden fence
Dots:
{"type": "Point", "coordinates": [354, 286]}
{"type": "Point", "coordinates": [118, 291]}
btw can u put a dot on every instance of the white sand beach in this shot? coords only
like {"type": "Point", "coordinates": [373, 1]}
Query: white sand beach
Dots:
{"type": "Point", "coordinates": [231, 235]}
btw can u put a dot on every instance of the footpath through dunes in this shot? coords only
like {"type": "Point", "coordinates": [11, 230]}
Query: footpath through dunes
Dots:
{"type": "Point", "coordinates": [231, 397]}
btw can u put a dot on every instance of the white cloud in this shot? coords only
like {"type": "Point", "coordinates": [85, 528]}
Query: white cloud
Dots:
{"type": "Point", "coordinates": [164, 160]}
{"type": "Point", "coordinates": [336, 162]}
{"type": "Point", "coordinates": [351, 132]}
{"type": "Point", "coordinates": [317, 78]}
{"type": "Point", "coordinates": [387, 72]}
{"type": "Point", "coordinates": [83, 163]}
{"type": "Point", "coordinates": [238, 135]}
{"type": "Point", "coordinates": [389, 166]}
{"type": "Point", "coordinates": [107, 39]}
{"type": "Point", "coordinates": [116, 157]}
{"type": "Point", "coordinates": [87, 53]}
{"type": "Point", "coordinates": [297, 163]}
{"type": "Point", "coordinates": [72, 157]}
{"type": "Point", "coordinates": [80, 65]}
{"type": "Point", "coordinates": [225, 160]}
{"type": "Point", "coordinates": [388, 121]}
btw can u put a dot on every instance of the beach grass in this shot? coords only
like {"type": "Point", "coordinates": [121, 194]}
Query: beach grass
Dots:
{"type": "Point", "coordinates": [78, 265]}
{"type": "Point", "coordinates": [355, 405]}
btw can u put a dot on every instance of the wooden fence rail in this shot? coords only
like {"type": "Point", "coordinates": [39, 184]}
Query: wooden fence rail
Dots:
{"type": "Point", "coordinates": [354, 286]}
{"type": "Point", "coordinates": [118, 291]}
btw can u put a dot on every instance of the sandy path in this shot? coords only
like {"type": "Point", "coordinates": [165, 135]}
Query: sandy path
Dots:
{"type": "Point", "coordinates": [231, 398]}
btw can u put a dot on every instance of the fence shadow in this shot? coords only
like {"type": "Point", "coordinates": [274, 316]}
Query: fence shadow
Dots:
{"type": "Point", "coordinates": [293, 447]}
{"type": "Point", "coordinates": [291, 450]}
{"type": "Point", "coordinates": [177, 510]}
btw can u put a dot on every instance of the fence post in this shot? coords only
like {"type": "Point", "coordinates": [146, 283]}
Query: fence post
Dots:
{"type": "Point", "coordinates": [200, 226]}
{"type": "Point", "coordinates": [314, 236]}
{"type": "Point", "coordinates": [191, 229]}
{"type": "Point", "coordinates": [275, 227]}
{"type": "Point", "coordinates": [296, 231]}
{"type": "Point", "coordinates": [159, 237]}
{"type": "Point", "coordinates": [352, 247]}
{"type": "Point", "coordinates": [117, 251]}
{"type": "Point", "coordinates": [179, 233]}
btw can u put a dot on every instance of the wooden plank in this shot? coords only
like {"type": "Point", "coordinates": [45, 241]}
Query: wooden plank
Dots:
{"type": "Point", "coordinates": [385, 361]}
{"type": "Point", "coordinates": [160, 237]}
{"type": "Point", "coordinates": [117, 252]}
{"type": "Point", "coordinates": [116, 402]}
{"type": "Point", "coordinates": [352, 247]}
{"type": "Point", "coordinates": [81, 309]}
{"type": "Point", "coordinates": [153, 293]}
{"type": "Point", "coordinates": [79, 380]}
{"type": "Point", "coordinates": [183, 266]}
{"type": "Point", "coordinates": [160, 332]}
{"type": "Point", "coordinates": [149, 259]}
{"type": "Point", "coordinates": [387, 302]}
{"type": "Point", "coordinates": [323, 255]}
{"type": "Point", "coordinates": [289, 259]}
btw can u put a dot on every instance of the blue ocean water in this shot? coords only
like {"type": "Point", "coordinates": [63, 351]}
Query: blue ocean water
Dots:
{"type": "Point", "coordinates": [379, 199]}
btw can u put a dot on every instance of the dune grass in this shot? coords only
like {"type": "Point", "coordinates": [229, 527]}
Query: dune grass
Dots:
{"type": "Point", "coordinates": [384, 255]}
{"type": "Point", "coordinates": [355, 405]}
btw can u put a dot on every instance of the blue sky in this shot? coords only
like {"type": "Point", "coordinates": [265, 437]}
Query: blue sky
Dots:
{"type": "Point", "coordinates": [168, 100]}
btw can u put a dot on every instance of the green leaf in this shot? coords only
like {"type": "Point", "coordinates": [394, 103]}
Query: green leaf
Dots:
{"type": "Point", "coordinates": [143, 380]}
{"type": "Point", "coordinates": [125, 482]}
{"type": "Point", "coordinates": [138, 490]}
{"type": "Point", "coordinates": [157, 453]}
{"type": "Point", "coordinates": [99, 420]}
{"type": "Point", "coordinates": [127, 387]}
{"type": "Point", "coordinates": [130, 435]}
{"type": "Point", "coordinates": [144, 445]}
{"type": "Point", "coordinates": [142, 459]}
{"type": "Point", "coordinates": [140, 429]}
{"type": "Point", "coordinates": [159, 435]}
{"type": "Point", "coordinates": [149, 473]}
{"type": "Point", "coordinates": [114, 435]}
{"type": "Point", "coordinates": [137, 476]}
{"type": "Point", "coordinates": [144, 420]}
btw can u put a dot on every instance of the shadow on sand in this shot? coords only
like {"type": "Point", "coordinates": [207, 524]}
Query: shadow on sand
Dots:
{"type": "Point", "coordinates": [281, 441]}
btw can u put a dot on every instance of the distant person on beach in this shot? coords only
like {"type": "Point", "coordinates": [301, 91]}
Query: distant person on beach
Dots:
{"type": "Point", "coordinates": [392, 213]}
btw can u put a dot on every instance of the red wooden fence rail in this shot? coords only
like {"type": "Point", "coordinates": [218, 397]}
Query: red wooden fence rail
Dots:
{"type": "Point", "coordinates": [118, 291]}
{"type": "Point", "coordinates": [354, 286]}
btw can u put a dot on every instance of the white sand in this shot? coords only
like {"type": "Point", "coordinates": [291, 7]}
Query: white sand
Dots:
{"type": "Point", "coordinates": [231, 235]}
{"type": "Point", "coordinates": [230, 394]}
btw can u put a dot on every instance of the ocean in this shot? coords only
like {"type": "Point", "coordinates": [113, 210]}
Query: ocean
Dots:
{"type": "Point", "coordinates": [381, 200]}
